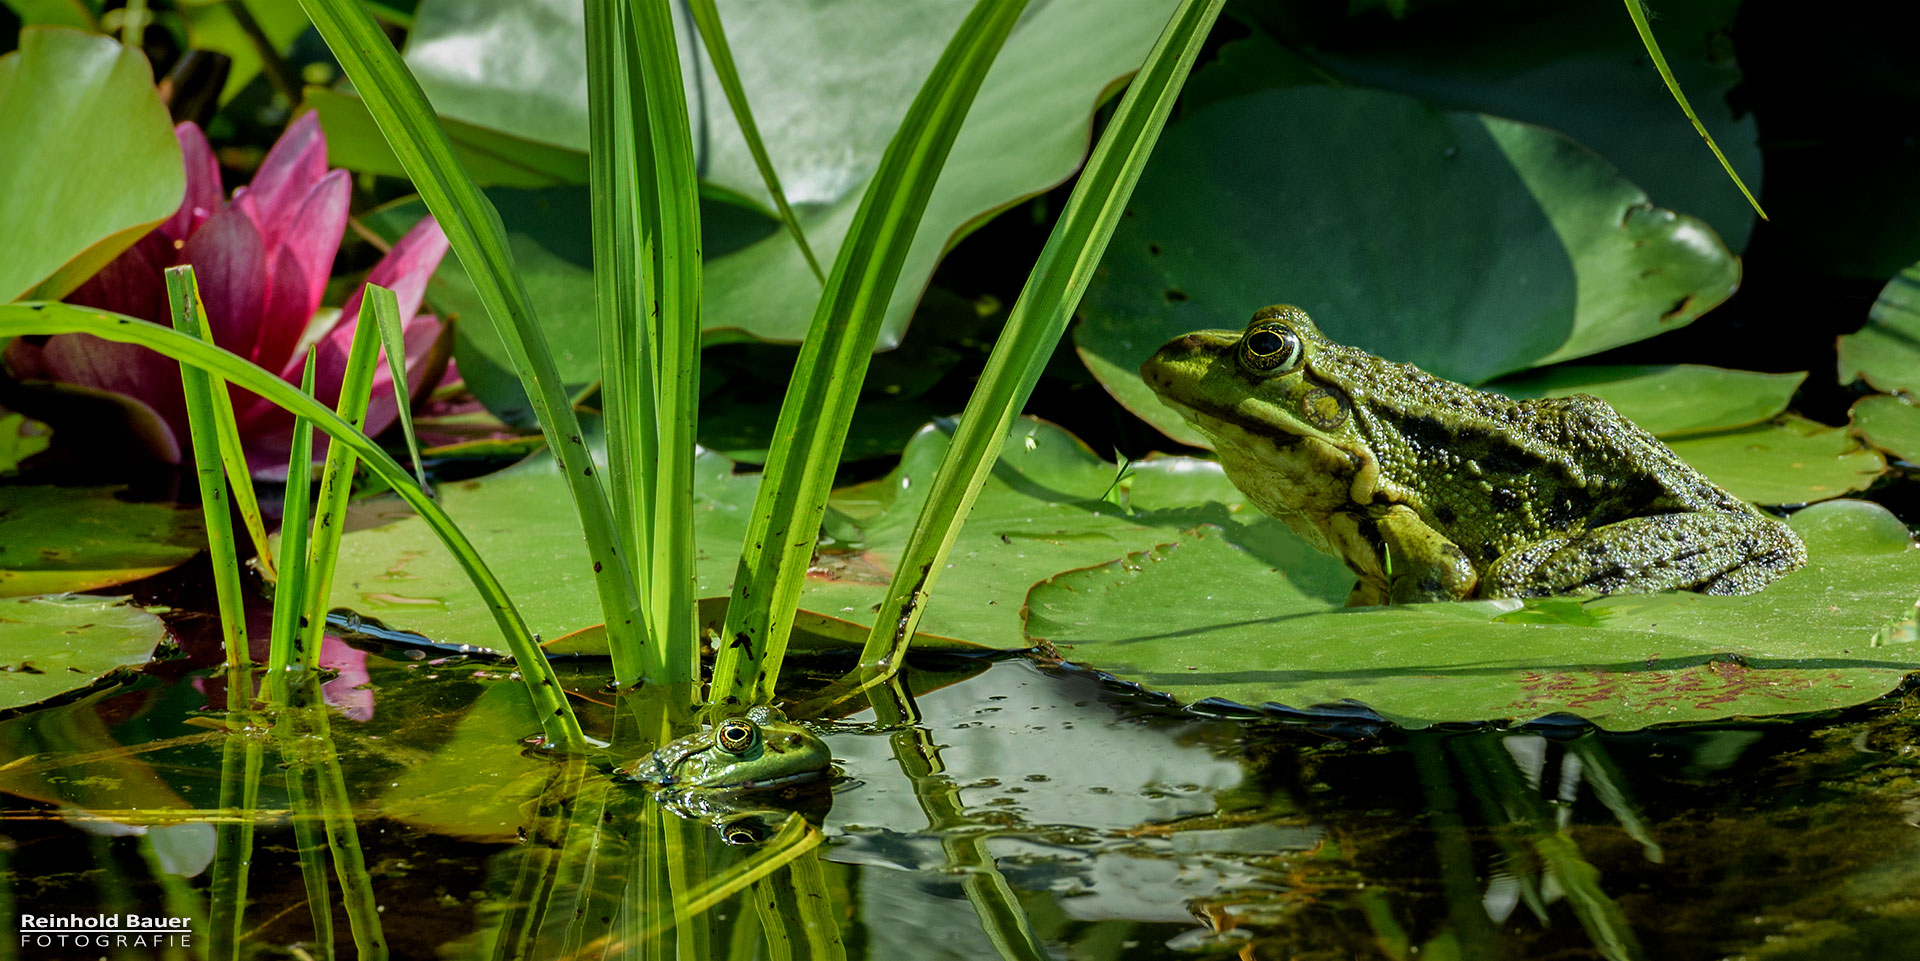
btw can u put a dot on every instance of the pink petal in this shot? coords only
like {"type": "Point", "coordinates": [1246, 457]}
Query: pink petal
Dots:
{"type": "Point", "coordinates": [405, 270]}
{"type": "Point", "coordinates": [203, 184]}
{"type": "Point", "coordinates": [297, 161]}
{"type": "Point", "coordinates": [132, 283]}
{"type": "Point", "coordinates": [24, 361]}
{"type": "Point", "coordinates": [230, 263]}
{"type": "Point", "coordinates": [419, 334]}
{"type": "Point", "coordinates": [121, 368]}
{"type": "Point", "coordinates": [348, 692]}
{"type": "Point", "coordinates": [297, 269]}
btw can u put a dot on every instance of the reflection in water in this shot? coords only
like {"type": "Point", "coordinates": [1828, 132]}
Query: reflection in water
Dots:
{"type": "Point", "coordinates": [1019, 814]}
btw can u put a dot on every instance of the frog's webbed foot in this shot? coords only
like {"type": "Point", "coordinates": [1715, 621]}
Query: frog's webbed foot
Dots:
{"type": "Point", "coordinates": [1709, 552]}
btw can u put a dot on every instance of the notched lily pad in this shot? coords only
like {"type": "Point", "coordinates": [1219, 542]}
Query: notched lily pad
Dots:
{"type": "Point", "coordinates": [55, 539]}
{"type": "Point", "coordinates": [1889, 423]}
{"type": "Point", "coordinates": [1666, 399]}
{"type": "Point", "coordinates": [1791, 460]}
{"type": "Point", "coordinates": [1527, 248]}
{"type": "Point", "coordinates": [1052, 505]}
{"type": "Point", "coordinates": [1201, 619]}
{"type": "Point", "coordinates": [1886, 352]}
{"type": "Point", "coordinates": [50, 645]}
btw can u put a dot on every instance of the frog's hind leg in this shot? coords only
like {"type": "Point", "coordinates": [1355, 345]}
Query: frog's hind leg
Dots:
{"type": "Point", "coordinates": [1709, 552]}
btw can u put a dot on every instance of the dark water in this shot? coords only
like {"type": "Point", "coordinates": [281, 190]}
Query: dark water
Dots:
{"type": "Point", "coordinates": [1030, 813]}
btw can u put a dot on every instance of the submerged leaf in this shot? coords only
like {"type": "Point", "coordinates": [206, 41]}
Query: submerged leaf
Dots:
{"type": "Point", "coordinates": [1203, 619]}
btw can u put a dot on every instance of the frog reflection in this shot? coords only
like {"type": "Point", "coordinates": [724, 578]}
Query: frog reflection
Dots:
{"type": "Point", "coordinates": [742, 775]}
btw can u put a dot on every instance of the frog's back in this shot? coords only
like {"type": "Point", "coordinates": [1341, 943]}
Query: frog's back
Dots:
{"type": "Point", "coordinates": [1496, 472]}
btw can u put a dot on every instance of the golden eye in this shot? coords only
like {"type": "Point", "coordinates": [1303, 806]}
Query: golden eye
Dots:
{"type": "Point", "coordinates": [736, 736]}
{"type": "Point", "coordinates": [1271, 348]}
{"type": "Point", "coordinates": [744, 831]}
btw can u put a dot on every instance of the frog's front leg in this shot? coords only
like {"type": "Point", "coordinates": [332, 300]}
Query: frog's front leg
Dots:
{"type": "Point", "coordinates": [1712, 552]}
{"type": "Point", "coordinates": [1417, 563]}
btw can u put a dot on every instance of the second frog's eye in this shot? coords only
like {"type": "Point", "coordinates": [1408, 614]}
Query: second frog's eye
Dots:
{"type": "Point", "coordinates": [1270, 348]}
{"type": "Point", "coordinates": [736, 736]}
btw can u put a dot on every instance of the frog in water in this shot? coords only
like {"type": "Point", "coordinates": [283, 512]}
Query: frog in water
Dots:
{"type": "Point", "coordinates": [1430, 490]}
{"type": "Point", "coordinates": [756, 751]}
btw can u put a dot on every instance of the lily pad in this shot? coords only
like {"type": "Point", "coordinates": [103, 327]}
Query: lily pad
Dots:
{"type": "Point", "coordinates": [50, 645]}
{"type": "Point", "coordinates": [1578, 66]}
{"type": "Point", "coordinates": [1201, 619]}
{"type": "Point", "coordinates": [88, 160]}
{"type": "Point", "coordinates": [1668, 399]}
{"type": "Point", "coordinates": [1889, 423]}
{"type": "Point", "coordinates": [1488, 246]}
{"type": "Point", "coordinates": [21, 437]}
{"type": "Point", "coordinates": [55, 539]}
{"type": "Point", "coordinates": [1791, 460]}
{"type": "Point", "coordinates": [1886, 352]}
{"type": "Point", "coordinates": [1044, 511]}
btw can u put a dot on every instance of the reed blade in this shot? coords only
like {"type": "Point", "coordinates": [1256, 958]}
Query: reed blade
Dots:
{"type": "Point", "coordinates": [28, 318]}
{"type": "Point", "coordinates": [814, 417]}
{"type": "Point", "coordinates": [476, 235]}
{"type": "Point", "coordinates": [204, 394]}
{"type": "Point", "coordinates": [1039, 318]}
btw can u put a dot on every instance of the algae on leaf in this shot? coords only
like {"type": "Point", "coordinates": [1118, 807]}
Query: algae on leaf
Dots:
{"type": "Point", "coordinates": [1200, 619]}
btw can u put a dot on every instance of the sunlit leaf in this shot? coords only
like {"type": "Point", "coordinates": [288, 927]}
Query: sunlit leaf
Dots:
{"type": "Point", "coordinates": [1886, 352]}
{"type": "Point", "coordinates": [56, 539]}
{"type": "Point", "coordinates": [1791, 460]}
{"type": "Point", "coordinates": [88, 160]}
{"type": "Point", "coordinates": [52, 644]}
{"type": "Point", "coordinates": [1666, 400]}
{"type": "Point", "coordinates": [1889, 423]}
{"type": "Point", "coordinates": [1202, 619]}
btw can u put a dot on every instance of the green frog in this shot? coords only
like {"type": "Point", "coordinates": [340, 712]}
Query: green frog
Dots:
{"type": "Point", "coordinates": [755, 751]}
{"type": "Point", "coordinates": [1430, 490]}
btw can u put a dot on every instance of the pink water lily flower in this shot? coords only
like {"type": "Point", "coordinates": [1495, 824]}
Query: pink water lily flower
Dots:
{"type": "Point", "coordinates": [262, 260]}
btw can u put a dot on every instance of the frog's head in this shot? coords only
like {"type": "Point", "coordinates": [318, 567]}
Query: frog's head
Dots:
{"type": "Point", "coordinates": [1258, 380]}
{"type": "Point", "coordinates": [759, 749]}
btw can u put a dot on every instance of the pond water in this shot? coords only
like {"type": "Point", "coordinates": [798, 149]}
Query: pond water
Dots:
{"type": "Point", "coordinates": [1031, 812]}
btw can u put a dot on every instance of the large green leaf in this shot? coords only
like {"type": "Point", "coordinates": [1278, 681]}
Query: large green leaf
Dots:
{"type": "Point", "coordinates": [1576, 66]}
{"type": "Point", "coordinates": [1040, 513]}
{"type": "Point", "coordinates": [55, 539]}
{"type": "Point", "coordinates": [1791, 460]}
{"type": "Point", "coordinates": [88, 161]}
{"type": "Point", "coordinates": [829, 81]}
{"type": "Point", "coordinates": [1886, 352]}
{"type": "Point", "coordinates": [50, 645]}
{"type": "Point", "coordinates": [1666, 399]}
{"type": "Point", "coordinates": [1890, 424]}
{"type": "Point", "coordinates": [1203, 619]}
{"type": "Point", "coordinates": [1471, 245]}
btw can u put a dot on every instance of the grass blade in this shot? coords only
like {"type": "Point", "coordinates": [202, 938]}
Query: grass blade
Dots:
{"type": "Point", "coordinates": [204, 394]}
{"type": "Point", "coordinates": [28, 318]}
{"type": "Point", "coordinates": [622, 292]}
{"type": "Point", "coordinates": [233, 458]}
{"type": "Point", "coordinates": [478, 238]}
{"type": "Point", "coordinates": [395, 342]}
{"type": "Point", "coordinates": [1639, 15]}
{"type": "Point", "coordinates": [706, 18]}
{"type": "Point", "coordinates": [289, 594]}
{"type": "Point", "coordinates": [336, 480]}
{"type": "Point", "coordinates": [833, 361]}
{"type": "Point", "coordinates": [1039, 318]}
{"type": "Point", "coordinates": [669, 220]}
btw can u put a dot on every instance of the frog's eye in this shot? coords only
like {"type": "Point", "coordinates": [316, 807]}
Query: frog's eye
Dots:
{"type": "Point", "coordinates": [736, 736]}
{"type": "Point", "coordinates": [1271, 348]}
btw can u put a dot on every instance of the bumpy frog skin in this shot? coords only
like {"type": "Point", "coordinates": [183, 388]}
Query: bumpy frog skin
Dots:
{"type": "Point", "coordinates": [761, 749]}
{"type": "Point", "coordinates": [1430, 490]}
